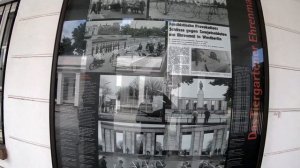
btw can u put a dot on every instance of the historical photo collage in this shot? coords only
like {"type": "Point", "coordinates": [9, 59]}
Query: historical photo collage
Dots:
{"type": "Point", "coordinates": [163, 78]}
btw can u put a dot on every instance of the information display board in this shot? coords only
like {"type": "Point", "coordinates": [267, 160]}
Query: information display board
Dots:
{"type": "Point", "coordinates": [159, 84]}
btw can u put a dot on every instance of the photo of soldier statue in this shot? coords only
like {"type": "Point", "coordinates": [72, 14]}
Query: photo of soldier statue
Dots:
{"type": "Point", "coordinates": [198, 101]}
{"type": "Point", "coordinates": [106, 9]}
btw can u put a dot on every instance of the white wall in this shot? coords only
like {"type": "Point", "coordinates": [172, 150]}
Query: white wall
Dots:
{"type": "Point", "coordinates": [27, 85]}
{"type": "Point", "coordinates": [283, 32]}
{"type": "Point", "coordinates": [26, 96]}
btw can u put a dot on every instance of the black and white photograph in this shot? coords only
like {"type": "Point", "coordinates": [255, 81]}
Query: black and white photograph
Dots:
{"type": "Point", "coordinates": [199, 101]}
{"type": "Point", "coordinates": [109, 9]}
{"type": "Point", "coordinates": [126, 45]}
{"type": "Point", "coordinates": [134, 145]}
{"type": "Point", "coordinates": [131, 99]}
{"type": "Point", "coordinates": [210, 11]}
{"type": "Point", "coordinates": [204, 60]}
{"type": "Point", "coordinates": [194, 134]}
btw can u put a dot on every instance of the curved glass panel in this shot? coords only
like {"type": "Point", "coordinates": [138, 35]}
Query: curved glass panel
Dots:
{"type": "Point", "coordinates": [160, 83]}
{"type": "Point", "coordinates": [7, 16]}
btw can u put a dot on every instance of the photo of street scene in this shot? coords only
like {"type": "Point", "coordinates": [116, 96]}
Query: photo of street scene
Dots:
{"type": "Point", "coordinates": [134, 46]}
{"type": "Point", "coordinates": [211, 61]}
{"type": "Point", "coordinates": [210, 11]}
{"type": "Point", "coordinates": [131, 99]}
{"type": "Point", "coordinates": [136, 145]}
{"type": "Point", "coordinates": [108, 9]}
{"type": "Point", "coordinates": [200, 101]}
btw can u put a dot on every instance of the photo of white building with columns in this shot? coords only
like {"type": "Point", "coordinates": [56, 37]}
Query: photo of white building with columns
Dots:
{"type": "Point", "coordinates": [159, 140]}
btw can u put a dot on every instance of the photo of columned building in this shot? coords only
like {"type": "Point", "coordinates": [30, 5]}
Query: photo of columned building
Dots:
{"type": "Point", "coordinates": [159, 140]}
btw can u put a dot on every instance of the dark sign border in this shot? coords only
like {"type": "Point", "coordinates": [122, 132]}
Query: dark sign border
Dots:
{"type": "Point", "coordinates": [263, 39]}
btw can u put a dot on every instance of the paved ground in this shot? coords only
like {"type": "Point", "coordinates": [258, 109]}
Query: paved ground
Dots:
{"type": "Point", "coordinates": [128, 62]}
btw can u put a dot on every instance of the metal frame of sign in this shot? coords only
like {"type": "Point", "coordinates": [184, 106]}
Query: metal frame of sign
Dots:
{"type": "Point", "coordinates": [4, 66]}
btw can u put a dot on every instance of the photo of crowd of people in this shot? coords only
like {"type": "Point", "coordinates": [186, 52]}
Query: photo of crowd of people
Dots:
{"type": "Point", "coordinates": [211, 11]}
{"type": "Point", "coordinates": [103, 9]}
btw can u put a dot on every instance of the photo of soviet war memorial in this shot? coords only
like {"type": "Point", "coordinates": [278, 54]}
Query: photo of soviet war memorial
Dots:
{"type": "Point", "coordinates": [194, 132]}
{"type": "Point", "coordinates": [126, 46]}
{"type": "Point", "coordinates": [198, 102]}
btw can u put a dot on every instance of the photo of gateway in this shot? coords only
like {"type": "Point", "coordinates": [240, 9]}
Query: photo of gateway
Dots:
{"type": "Point", "coordinates": [169, 146]}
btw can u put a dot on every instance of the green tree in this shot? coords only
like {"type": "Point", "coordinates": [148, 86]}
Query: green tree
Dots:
{"type": "Point", "coordinates": [78, 36]}
{"type": "Point", "coordinates": [224, 82]}
{"type": "Point", "coordinates": [125, 30]}
{"type": "Point", "coordinates": [153, 87]}
{"type": "Point", "coordinates": [66, 47]}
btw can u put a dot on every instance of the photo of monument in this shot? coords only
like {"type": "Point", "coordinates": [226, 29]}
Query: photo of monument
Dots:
{"type": "Point", "coordinates": [199, 102]}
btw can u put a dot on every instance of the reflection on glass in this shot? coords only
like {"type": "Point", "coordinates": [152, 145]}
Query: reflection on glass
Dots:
{"type": "Point", "coordinates": [119, 142]}
{"type": "Point", "coordinates": [115, 84]}
{"type": "Point", "coordinates": [139, 144]}
{"type": "Point", "coordinates": [137, 99]}
{"type": "Point", "coordinates": [159, 144]}
{"type": "Point", "coordinates": [186, 144]}
{"type": "Point", "coordinates": [208, 143]}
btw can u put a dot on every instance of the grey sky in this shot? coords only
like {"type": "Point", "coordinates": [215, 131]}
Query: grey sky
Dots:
{"type": "Point", "coordinates": [69, 26]}
{"type": "Point", "coordinates": [207, 137]}
{"type": "Point", "coordinates": [186, 142]}
{"type": "Point", "coordinates": [191, 90]}
{"type": "Point", "coordinates": [160, 139]}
